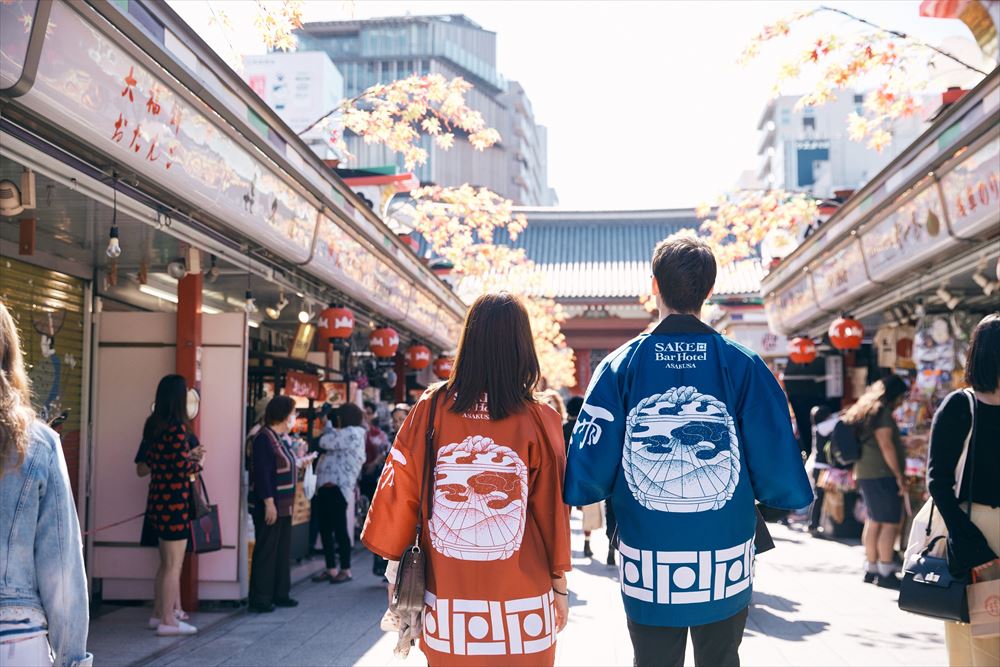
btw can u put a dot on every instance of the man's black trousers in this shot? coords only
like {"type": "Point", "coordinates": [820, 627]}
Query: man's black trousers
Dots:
{"type": "Point", "coordinates": [715, 645]}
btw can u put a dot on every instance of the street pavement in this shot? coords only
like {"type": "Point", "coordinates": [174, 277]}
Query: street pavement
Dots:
{"type": "Point", "coordinates": [810, 607]}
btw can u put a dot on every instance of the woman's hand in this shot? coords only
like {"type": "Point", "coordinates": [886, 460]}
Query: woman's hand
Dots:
{"type": "Point", "coordinates": [562, 611]}
{"type": "Point", "coordinates": [561, 595]}
{"type": "Point", "coordinates": [902, 484]}
{"type": "Point", "coordinates": [979, 569]}
{"type": "Point", "coordinates": [270, 512]}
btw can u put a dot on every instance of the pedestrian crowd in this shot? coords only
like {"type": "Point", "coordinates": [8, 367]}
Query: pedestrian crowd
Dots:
{"type": "Point", "coordinates": [681, 434]}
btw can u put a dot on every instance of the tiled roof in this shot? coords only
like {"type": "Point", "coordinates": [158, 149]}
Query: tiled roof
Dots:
{"type": "Point", "coordinates": [605, 254]}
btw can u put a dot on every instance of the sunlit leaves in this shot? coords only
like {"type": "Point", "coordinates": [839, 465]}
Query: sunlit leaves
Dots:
{"type": "Point", "coordinates": [460, 224]}
{"type": "Point", "coordinates": [893, 64]}
{"type": "Point", "coordinates": [736, 223]}
{"type": "Point", "coordinates": [399, 113]}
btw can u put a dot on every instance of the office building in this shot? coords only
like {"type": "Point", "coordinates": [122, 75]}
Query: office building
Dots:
{"type": "Point", "coordinates": [386, 49]}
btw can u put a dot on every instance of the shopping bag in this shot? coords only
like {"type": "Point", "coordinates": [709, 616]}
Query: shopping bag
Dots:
{"type": "Point", "coordinates": [593, 517]}
{"type": "Point", "coordinates": [984, 608]}
{"type": "Point", "coordinates": [309, 480]}
{"type": "Point", "coordinates": [206, 532]}
{"type": "Point", "coordinates": [205, 529]}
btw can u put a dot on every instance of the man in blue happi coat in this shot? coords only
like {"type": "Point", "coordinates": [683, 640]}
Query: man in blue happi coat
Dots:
{"type": "Point", "coordinates": [683, 429]}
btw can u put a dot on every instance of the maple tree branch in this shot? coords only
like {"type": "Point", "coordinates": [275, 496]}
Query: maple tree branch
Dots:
{"type": "Point", "coordinates": [902, 35]}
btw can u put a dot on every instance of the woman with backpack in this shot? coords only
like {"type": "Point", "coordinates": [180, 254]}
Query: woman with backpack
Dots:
{"type": "Point", "coordinates": [879, 473]}
{"type": "Point", "coordinates": [973, 532]}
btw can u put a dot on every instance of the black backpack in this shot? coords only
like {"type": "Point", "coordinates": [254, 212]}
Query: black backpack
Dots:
{"type": "Point", "coordinates": [844, 449]}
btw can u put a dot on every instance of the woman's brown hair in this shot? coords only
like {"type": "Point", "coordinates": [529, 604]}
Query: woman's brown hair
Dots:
{"type": "Point", "coordinates": [496, 357]}
{"type": "Point", "coordinates": [16, 413]}
{"type": "Point", "coordinates": [879, 395]}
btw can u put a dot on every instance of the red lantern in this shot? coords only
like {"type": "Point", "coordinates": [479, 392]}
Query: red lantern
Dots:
{"type": "Point", "coordinates": [846, 333]}
{"type": "Point", "coordinates": [384, 342]}
{"type": "Point", "coordinates": [336, 322]}
{"type": "Point", "coordinates": [442, 367]}
{"type": "Point", "coordinates": [801, 350]}
{"type": "Point", "coordinates": [418, 357]}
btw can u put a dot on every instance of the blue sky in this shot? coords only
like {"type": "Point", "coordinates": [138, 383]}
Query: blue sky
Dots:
{"type": "Point", "coordinates": [645, 104]}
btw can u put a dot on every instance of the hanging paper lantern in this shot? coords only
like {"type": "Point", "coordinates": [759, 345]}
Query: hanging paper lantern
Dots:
{"type": "Point", "coordinates": [418, 357]}
{"type": "Point", "coordinates": [846, 333]}
{"type": "Point", "coordinates": [384, 342]}
{"type": "Point", "coordinates": [442, 367]}
{"type": "Point", "coordinates": [801, 350]}
{"type": "Point", "coordinates": [336, 322]}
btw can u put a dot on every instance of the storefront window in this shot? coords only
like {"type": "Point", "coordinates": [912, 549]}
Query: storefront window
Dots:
{"type": "Point", "coordinates": [15, 31]}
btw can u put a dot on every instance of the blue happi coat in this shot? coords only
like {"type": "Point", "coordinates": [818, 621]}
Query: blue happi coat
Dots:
{"type": "Point", "coordinates": [682, 428]}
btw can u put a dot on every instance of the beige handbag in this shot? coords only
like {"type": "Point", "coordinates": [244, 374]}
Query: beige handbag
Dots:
{"type": "Point", "coordinates": [411, 578]}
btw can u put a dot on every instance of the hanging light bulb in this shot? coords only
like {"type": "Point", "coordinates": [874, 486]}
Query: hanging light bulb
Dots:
{"type": "Point", "coordinates": [114, 250]}
{"type": "Point", "coordinates": [250, 304]}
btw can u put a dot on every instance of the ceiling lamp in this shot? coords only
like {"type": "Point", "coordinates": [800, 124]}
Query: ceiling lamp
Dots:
{"type": "Point", "coordinates": [114, 250]}
{"type": "Point", "coordinates": [213, 271]}
{"type": "Point", "coordinates": [988, 286]}
{"type": "Point", "coordinates": [950, 300]}
{"type": "Point", "coordinates": [177, 269]}
{"type": "Point", "coordinates": [274, 312]}
{"type": "Point", "coordinates": [305, 312]}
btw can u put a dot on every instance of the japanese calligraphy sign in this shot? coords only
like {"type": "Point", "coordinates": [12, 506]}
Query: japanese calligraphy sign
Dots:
{"type": "Point", "coordinates": [99, 92]}
{"type": "Point", "coordinates": [913, 229]}
{"type": "Point", "coordinates": [972, 192]}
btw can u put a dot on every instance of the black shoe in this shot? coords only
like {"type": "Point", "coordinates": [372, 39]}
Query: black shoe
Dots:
{"type": "Point", "coordinates": [260, 609]}
{"type": "Point", "coordinates": [611, 558]}
{"type": "Point", "coordinates": [286, 603]}
{"type": "Point", "coordinates": [870, 577]}
{"type": "Point", "coordinates": [892, 581]}
{"type": "Point", "coordinates": [587, 551]}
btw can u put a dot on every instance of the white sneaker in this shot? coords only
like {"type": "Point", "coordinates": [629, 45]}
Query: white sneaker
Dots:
{"type": "Point", "coordinates": [154, 621]}
{"type": "Point", "coordinates": [181, 628]}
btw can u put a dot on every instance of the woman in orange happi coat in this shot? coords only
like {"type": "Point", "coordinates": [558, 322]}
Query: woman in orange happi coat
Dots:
{"type": "Point", "coordinates": [497, 532]}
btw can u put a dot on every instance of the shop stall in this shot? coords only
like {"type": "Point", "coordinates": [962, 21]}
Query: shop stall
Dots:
{"type": "Point", "coordinates": [161, 218]}
{"type": "Point", "coordinates": [895, 281]}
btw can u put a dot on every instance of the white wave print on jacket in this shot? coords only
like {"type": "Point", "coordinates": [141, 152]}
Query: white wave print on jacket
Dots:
{"type": "Point", "coordinates": [587, 424]}
{"type": "Point", "coordinates": [681, 452]}
{"type": "Point", "coordinates": [480, 500]}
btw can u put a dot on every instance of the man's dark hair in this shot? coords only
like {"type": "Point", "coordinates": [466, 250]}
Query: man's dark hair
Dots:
{"type": "Point", "coordinates": [574, 405]}
{"type": "Point", "coordinates": [982, 372]}
{"type": "Point", "coordinates": [278, 410]}
{"type": "Point", "coordinates": [369, 405]}
{"type": "Point", "coordinates": [684, 269]}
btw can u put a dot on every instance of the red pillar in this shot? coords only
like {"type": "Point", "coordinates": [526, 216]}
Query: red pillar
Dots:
{"type": "Point", "coordinates": [189, 365]}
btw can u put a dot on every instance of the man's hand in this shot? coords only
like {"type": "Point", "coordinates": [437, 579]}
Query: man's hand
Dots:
{"type": "Point", "coordinates": [270, 512]}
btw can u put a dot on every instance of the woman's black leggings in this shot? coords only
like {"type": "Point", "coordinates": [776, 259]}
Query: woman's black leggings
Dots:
{"type": "Point", "coordinates": [332, 508]}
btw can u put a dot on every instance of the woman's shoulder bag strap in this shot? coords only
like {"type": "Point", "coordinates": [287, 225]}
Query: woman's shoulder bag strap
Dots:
{"type": "Point", "coordinates": [968, 447]}
{"type": "Point", "coordinates": [428, 473]}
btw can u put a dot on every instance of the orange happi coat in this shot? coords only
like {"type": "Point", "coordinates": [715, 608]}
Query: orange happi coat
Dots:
{"type": "Point", "coordinates": [497, 532]}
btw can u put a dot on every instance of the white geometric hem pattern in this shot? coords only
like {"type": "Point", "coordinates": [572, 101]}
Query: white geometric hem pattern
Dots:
{"type": "Point", "coordinates": [686, 577]}
{"type": "Point", "coordinates": [681, 452]}
{"type": "Point", "coordinates": [489, 627]}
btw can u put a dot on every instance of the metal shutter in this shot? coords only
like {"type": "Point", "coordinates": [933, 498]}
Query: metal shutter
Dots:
{"type": "Point", "coordinates": [47, 302]}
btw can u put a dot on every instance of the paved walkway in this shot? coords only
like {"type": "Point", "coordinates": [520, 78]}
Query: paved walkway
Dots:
{"type": "Point", "coordinates": [810, 608]}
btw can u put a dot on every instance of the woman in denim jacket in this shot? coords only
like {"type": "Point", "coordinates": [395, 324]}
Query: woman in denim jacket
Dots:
{"type": "Point", "coordinates": [43, 585]}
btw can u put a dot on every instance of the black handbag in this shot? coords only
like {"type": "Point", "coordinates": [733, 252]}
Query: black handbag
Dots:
{"type": "Point", "coordinates": [205, 528]}
{"type": "Point", "coordinates": [929, 587]}
{"type": "Point", "coordinates": [411, 577]}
